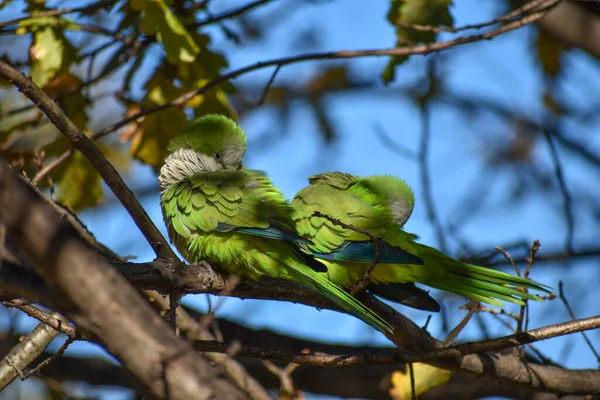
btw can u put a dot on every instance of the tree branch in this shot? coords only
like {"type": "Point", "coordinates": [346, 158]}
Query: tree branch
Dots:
{"type": "Point", "coordinates": [24, 353]}
{"type": "Point", "coordinates": [499, 366]}
{"type": "Point", "coordinates": [95, 156]}
{"type": "Point", "coordinates": [396, 356]}
{"type": "Point", "coordinates": [227, 14]}
{"type": "Point", "coordinates": [84, 287]}
{"type": "Point", "coordinates": [195, 331]}
{"type": "Point", "coordinates": [59, 11]}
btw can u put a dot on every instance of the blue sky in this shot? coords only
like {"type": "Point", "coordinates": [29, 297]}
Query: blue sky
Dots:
{"type": "Point", "coordinates": [503, 69]}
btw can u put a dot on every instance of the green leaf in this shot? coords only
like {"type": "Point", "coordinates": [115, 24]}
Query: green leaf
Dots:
{"type": "Point", "coordinates": [80, 185]}
{"type": "Point", "coordinates": [157, 18]}
{"type": "Point", "coordinates": [415, 12]}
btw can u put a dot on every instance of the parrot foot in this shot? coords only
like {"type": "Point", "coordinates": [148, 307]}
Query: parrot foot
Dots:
{"type": "Point", "coordinates": [208, 268]}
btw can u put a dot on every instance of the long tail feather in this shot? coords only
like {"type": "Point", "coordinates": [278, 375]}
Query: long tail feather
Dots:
{"type": "Point", "coordinates": [338, 296]}
{"type": "Point", "coordinates": [472, 281]}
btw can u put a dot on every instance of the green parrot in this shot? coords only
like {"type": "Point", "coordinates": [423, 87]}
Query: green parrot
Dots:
{"type": "Point", "coordinates": [381, 205]}
{"type": "Point", "coordinates": [215, 210]}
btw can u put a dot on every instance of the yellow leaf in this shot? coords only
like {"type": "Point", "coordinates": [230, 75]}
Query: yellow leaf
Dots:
{"type": "Point", "coordinates": [50, 54]}
{"type": "Point", "coordinates": [215, 102]}
{"type": "Point", "coordinates": [80, 185]}
{"type": "Point", "coordinates": [70, 99]}
{"type": "Point", "coordinates": [117, 156]}
{"type": "Point", "coordinates": [150, 138]}
{"type": "Point", "coordinates": [426, 377]}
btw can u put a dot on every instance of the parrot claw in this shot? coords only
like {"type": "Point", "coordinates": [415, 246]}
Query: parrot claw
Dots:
{"type": "Point", "coordinates": [211, 276]}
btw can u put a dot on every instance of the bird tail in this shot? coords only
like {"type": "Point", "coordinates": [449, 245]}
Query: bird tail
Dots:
{"type": "Point", "coordinates": [319, 283]}
{"type": "Point", "coordinates": [478, 283]}
{"type": "Point", "coordinates": [406, 294]}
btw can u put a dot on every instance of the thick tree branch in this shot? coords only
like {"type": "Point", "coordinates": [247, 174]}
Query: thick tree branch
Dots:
{"type": "Point", "coordinates": [364, 382]}
{"type": "Point", "coordinates": [195, 331]}
{"type": "Point", "coordinates": [84, 287]}
{"type": "Point", "coordinates": [95, 156]}
{"type": "Point", "coordinates": [496, 365]}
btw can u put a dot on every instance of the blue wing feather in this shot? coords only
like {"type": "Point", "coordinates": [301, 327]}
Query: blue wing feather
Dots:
{"type": "Point", "coordinates": [365, 252]}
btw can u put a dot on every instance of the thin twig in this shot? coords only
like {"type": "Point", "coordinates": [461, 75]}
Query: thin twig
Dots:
{"type": "Point", "coordinates": [59, 11]}
{"type": "Point", "coordinates": [426, 324]}
{"type": "Point", "coordinates": [269, 84]}
{"type": "Point", "coordinates": [523, 322]}
{"type": "Point", "coordinates": [472, 306]}
{"type": "Point", "coordinates": [50, 166]}
{"type": "Point", "coordinates": [567, 200]}
{"type": "Point", "coordinates": [563, 297]}
{"type": "Point", "coordinates": [509, 258]}
{"type": "Point", "coordinates": [392, 145]}
{"type": "Point", "coordinates": [54, 322]}
{"type": "Point", "coordinates": [496, 311]}
{"type": "Point", "coordinates": [174, 300]}
{"type": "Point", "coordinates": [226, 15]}
{"type": "Point", "coordinates": [24, 353]}
{"type": "Point", "coordinates": [528, 8]}
{"type": "Point", "coordinates": [48, 360]}
{"type": "Point", "coordinates": [287, 389]}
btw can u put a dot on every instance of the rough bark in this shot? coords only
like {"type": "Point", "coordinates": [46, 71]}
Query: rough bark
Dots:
{"type": "Point", "coordinates": [86, 289]}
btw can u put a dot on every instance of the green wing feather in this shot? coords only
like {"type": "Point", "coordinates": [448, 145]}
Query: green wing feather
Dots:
{"type": "Point", "coordinates": [325, 196]}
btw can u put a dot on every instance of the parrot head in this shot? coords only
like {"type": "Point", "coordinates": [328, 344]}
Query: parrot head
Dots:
{"type": "Point", "coordinates": [396, 195]}
{"type": "Point", "coordinates": [210, 143]}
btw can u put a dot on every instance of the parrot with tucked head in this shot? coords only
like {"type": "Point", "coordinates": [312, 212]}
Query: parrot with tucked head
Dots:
{"type": "Point", "coordinates": [381, 205]}
{"type": "Point", "coordinates": [233, 217]}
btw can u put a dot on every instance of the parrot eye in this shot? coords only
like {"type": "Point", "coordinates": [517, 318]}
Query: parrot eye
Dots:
{"type": "Point", "coordinates": [218, 156]}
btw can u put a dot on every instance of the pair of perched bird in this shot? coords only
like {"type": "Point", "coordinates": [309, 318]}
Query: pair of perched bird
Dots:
{"type": "Point", "coordinates": [219, 211]}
